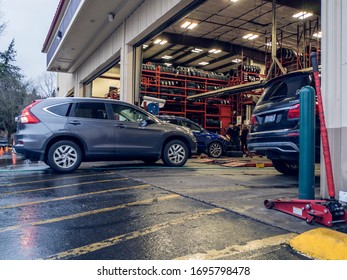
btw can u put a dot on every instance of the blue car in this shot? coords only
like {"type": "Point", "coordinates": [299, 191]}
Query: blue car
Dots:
{"type": "Point", "coordinates": [210, 143]}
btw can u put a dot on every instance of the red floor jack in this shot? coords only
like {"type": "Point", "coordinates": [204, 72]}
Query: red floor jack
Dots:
{"type": "Point", "coordinates": [326, 212]}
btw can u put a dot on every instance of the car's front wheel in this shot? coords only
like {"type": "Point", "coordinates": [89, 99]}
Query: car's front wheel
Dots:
{"type": "Point", "coordinates": [286, 167]}
{"type": "Point", "coordinates": [215, 149]}
{"type": "Point", "coordinates": [64, 156]}
{"type": "Point", "coordinates": [175, 153]}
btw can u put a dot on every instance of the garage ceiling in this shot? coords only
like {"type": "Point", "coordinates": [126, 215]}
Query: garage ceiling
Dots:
{"type": "Point", "coordinates": [222, 25]}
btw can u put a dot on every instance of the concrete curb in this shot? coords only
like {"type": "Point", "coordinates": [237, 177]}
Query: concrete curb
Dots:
{"type": "Point", "coordinates": [322, 244]}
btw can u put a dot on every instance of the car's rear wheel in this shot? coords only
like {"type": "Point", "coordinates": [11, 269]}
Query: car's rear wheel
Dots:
{"type": "Point", "coordinates": [175, 153]}
{"type": "Point", "coordinates": [215, 149]}
{"type": "Point", "coordinates": [286, 167]}
{"type": "Point", "coordinates": [64, 156]}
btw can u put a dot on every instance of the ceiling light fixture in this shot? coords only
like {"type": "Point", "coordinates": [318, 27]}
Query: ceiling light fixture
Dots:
{"type": "Point", "coordinates": [270, 44]}
{"type": "Point", "coordinates": [144, 46]}
{"type": "Point", "coordinates": [189, 24]}
{"type": "Point", "coordinates": [166, 57]}
{"type": "Point", "coordinates": [234, 1]}
{"type": "Point", "coordinates": [168, 64]}
{"type": "Point", "coordinates": [236, 60]}
{"type": "Point", "coordinates": [160, 41]}
{"type": "Point", "coordinates": [203, 63]}
{"type": "Point", "coordinates": [302, 15]}
{"type": "Point", "coordinates": [318, 34]}
{"type": "Point", "coordinates": [196, 50]}
{"type": "Point", "coordinates": [250, 36]}
{"type": "Point", "coordinates": [215, 51]}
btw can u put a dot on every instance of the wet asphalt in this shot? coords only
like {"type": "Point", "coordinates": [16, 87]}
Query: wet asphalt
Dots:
{"type": "Point", "coordinates": [133, 211]}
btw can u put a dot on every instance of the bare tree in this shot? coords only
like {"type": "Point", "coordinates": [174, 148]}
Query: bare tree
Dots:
{"type": "Point", "coordinates": [46, 84]}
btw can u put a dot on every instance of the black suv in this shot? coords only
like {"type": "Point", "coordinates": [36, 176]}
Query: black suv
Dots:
{"type": "Point", "coordinates": [275, 122]}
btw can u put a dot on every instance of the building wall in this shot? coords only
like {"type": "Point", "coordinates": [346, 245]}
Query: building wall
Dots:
{"type": "Point", "coordinates": [146, 18]}
{"type": "Point", "coordinates": [334, 85]}
{"type": "Point", "coordinates": [66, 83]}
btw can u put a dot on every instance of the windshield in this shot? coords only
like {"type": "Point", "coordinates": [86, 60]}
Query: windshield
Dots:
{"type": "Point", "coordinates": [284, 88]}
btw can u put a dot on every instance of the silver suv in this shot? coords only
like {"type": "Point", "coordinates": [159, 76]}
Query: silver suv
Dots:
{"type": "Point", "coordinates": [63, 132]}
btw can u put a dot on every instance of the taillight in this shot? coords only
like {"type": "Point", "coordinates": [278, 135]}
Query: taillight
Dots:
{"type": "Point", "coordinates": [253, 120]}
{"type": "Point", "coordinates": [294, 112]}
{"type": "Point", "coordinates": [27, 116]}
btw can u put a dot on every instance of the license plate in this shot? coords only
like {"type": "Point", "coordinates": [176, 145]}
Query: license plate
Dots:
{"type": "Point", "coordinates": [270, 118]}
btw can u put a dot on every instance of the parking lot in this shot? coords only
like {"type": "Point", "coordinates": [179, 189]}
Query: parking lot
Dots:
{"type": "Point", "coordinates": [130, 210]}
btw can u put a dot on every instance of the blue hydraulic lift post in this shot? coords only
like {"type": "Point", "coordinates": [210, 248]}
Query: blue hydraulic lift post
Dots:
{"type": "Point", "coordinates": [307, 143]}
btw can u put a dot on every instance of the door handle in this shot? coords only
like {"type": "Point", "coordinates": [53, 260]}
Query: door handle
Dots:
{"type": "Point", "coordinates": [75, 122]}
{"type": "Point", "coordinates": [120, 125]}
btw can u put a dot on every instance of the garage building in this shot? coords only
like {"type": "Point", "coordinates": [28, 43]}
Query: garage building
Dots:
{"type": "Point", "coordinates": [132, 50]}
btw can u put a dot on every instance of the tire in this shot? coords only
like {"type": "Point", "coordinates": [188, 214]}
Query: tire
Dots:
{"type": "Point", "coordinates": [64, 156]}
{"type": "Point", "coordinates": [215, 149]}
{"type": "Point", "coordinates": [286, 168]}
{"type": "Point", "coordinates": [175, 153]}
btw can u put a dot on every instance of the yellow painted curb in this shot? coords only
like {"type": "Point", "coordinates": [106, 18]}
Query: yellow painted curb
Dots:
{"type": "Point", "coordinates": [322, 244]}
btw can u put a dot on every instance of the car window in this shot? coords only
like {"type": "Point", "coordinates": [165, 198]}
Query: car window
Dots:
{"type": "Point", "coordinates": [285, 88]}
{"type": "Point", "coordinates": [92, 110]}
{"type": "Point", "coordinates": [127, 114]}
{"type": "Point", "coordinates": [59, 110]}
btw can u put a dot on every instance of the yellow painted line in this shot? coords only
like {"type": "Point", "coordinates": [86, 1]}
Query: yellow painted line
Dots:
{"type": "Point", "coordinates": [73, 196]}
{"type": "Point", "coordinates": [63, 186]}
{"type": "Point", "coordinates": [322, 244]}
{"type": "Point", "coordinates": [88, 213]}
{"type": "Point", "coordinates": [216, 189]}
{"type": "Point", "coordinates": [53, 179]}
{"type": "Point", "coordinates": [239, 249]}
{"type": "Point", "coordinates": [131, 235]}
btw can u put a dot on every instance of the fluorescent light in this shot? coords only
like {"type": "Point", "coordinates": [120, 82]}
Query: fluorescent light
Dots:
{"type": "Point", "coordinates": [186, 24]}
{"type": "Point", "coordinates": [166, 57]}
{"type": "Point", "coordinates": [195, 50]}
{"type": "Point", "coordinates": [318, 34]}
{"type": "Point", "coordinates": [234, 1]}
{"type": "Point", "coordinates": [144, 46]}
{"type": "Point", "coordinates": [189, 24]}
{"type": "Point", "coordinates": [270, 44]}
{"type": "Point", "coordinates": [215, 51]}
{"type": "Point", "coordinates": [163, 42]}
{"type": "Point", "coordinates": [236, 60]}
{"type": "Point", "coordinates": [253, 37]}
{"type": "Point", "coordinates": [302, 15]}
{"type": "Point", "coordinates": [194, 24]}
{"type": "Point", "coordinates": [203, 63]}
{"type": "Point", "coordinates": [157, 41]}
{"type": "Point", "coordinates": [168, 64]}
{"type": "Point", "coordinates": [250, 36]}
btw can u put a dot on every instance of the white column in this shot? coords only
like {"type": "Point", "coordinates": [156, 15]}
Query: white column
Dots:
{"type": "Point", "coordinates": [334, 89]}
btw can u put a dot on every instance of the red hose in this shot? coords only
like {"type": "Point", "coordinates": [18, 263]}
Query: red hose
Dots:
{"type": "Point", "coordinates": [323, 130]}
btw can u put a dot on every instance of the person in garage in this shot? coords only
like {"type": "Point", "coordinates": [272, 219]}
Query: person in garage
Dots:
{"type": "Point", "coordinates": [233, 132]}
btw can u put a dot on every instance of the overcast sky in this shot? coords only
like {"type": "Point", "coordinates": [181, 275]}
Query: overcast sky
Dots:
{"type": "Point", "coordinates": [28, 23]}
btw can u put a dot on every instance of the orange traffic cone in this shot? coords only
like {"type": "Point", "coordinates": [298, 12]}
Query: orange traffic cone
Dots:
{"type": "Point", "coordinates": [6, 149]}
{"type": "Point", "coordinates": [1, 151]}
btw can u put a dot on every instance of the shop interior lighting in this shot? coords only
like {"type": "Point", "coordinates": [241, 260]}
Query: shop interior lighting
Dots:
{"type": "Point", "coordinates": [189, 25]}
{"type": "Point", "coordinates": [234, 1]}
{"type": "Point", "coordinates": [166, 57]}
{"type": "Point", "coordinates": [168, 64]}
{"type": "Point", "coordinates": [160, 42]}
{"type": "Point", "coordinates": [215, 51]}
{"type": "Point", "coordinates": [250, 36]}
{"type": "Point", "coordinates": [236, 60]}
{"type": "Point", "coordinates": [144, 46]}
{"type": "Point", "coordinates": [196, 50]}
{"type": "Point", "coordinates": [270, 44]}
{"type": "Point", "coordinates": [203, 63]}
{"type": "Point", "coordinates": [302, 15]}
{"type": "Point", "coordinates": [318, 34]}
